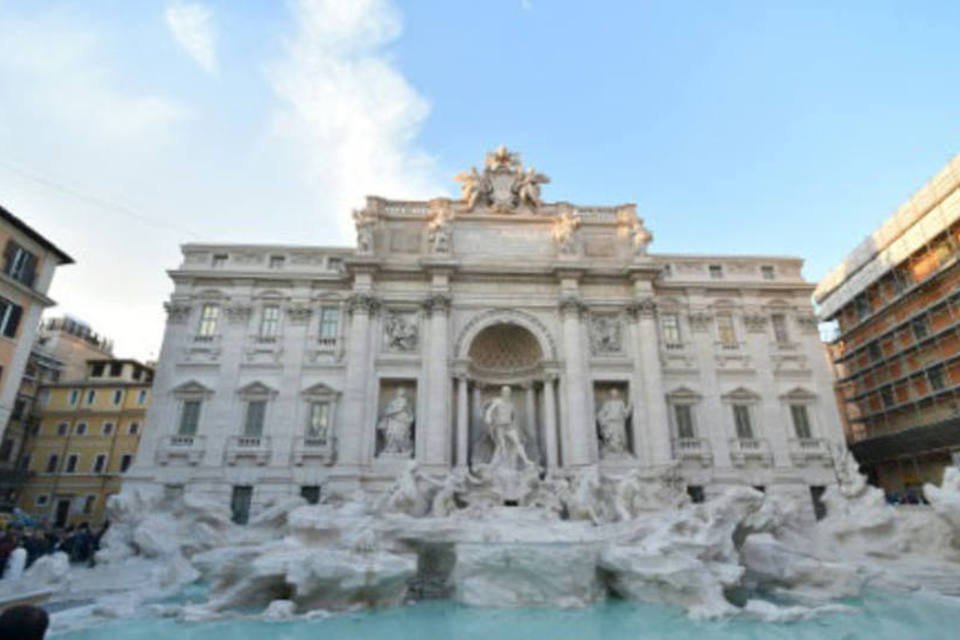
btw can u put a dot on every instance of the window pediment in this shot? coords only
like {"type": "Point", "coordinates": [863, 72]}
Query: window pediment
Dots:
{"type": "Point", "coordinates": [741, 394]}
{"type": "Point", "coordinates": [319, 391]}
{"type": "Point", "coordinates": [192, 390]}
{"type": "Point", "coordinates": [256, 391]}
{"type": "Point", "coordinates": [798, 394]}
{"type": "Point", "coordinates": [684, 394]}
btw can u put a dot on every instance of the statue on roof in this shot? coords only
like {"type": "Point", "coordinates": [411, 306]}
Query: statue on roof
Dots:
{"type": "Point", "coordinates": [527, 187]}
{"type": "Point", "coordinates": [504, 186]}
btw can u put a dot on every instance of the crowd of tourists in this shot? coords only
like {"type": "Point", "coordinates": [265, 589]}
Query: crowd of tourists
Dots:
{"type": "Point", "coordinates": [80, 543]}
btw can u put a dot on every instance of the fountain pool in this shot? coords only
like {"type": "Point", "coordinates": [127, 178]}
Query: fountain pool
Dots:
{"type": "Point", "coordinates": [877, 616]}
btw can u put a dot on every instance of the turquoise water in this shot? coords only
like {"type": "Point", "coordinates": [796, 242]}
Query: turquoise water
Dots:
{"type": "Point", "coordinates": [879, 617]}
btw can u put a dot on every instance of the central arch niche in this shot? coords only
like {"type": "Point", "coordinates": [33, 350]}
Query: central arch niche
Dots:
{"type": "Point", "coordinates": [506, 353]}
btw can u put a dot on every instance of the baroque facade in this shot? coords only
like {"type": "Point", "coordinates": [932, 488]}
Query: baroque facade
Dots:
{"type": "Point", "coordinates": [290, 370]}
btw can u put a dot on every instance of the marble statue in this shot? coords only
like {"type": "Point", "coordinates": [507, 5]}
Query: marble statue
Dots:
{"type": "Point", "coordinates": [476, 188]}
{"type": "Point", "coordinates": [502, 158]}
{"type": "Point", "coordinates": [565, 232]}
{"type": "Point", "coordinates": [439, 230]}
{"type": "Point", "coordinates": [527, 187]}
{"type": "Point", "coordinates": [396, 424]}
{"type": "Point", "coordinates": [410, 493]}
{"type": "Point", "coordinates": [641, 238]}
{"type": "Point", "coordinates": [501, 420]}
{"type": "Point", "coordinates": [401, 333]}
{"type": "Point", "coordinates": [612, 418]}
{"type": "Point", "coordinates": [364, 222]}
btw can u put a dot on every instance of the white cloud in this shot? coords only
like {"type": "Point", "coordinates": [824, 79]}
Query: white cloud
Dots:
{"type": "Point", "coordinates": [352, 114]}
{"type": "Point", "coordinates": [192, 27]}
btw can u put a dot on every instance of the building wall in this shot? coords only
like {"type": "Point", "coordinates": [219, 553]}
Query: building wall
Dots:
{"type": "Point", "coordinates": [60, 435]}
{"type": "Point", "coordinates": [504, 271]}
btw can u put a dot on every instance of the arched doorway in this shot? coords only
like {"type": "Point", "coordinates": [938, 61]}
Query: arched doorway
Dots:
{"type": "Point", "coordinates": [507, 353]}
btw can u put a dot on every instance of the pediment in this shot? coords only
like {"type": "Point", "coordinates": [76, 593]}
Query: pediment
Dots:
{"type": "Point", "coordinates": [256, 389]}
{"type": "Point", "coordinates": [319, 390]}
{"type": "Point", "coordinates": [741, 394]}
{"type": "Point", "coordinates": [684, 393]}
{"type": "Point", "coordinates": [192, 388]}
{"type": "Point", "coordinates": [798, 393]}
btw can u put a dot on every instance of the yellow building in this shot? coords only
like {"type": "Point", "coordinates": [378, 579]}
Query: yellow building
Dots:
{"type": "Point", "coordinates": [87, 439]}
{"type": "Point", "coordinates": [26, 271]}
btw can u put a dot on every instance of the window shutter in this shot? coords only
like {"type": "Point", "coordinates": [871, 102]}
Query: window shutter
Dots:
{"type": "Point", "coordinates": [8, 252]}
{"type": "Point", "coordinates": [10, 330]}
{"type": "Point", "coordinates": [29, 270]}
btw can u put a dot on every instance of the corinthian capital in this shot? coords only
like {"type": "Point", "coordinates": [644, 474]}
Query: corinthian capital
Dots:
{"type": "Point", "coordinates": [437, 303]}
{"type": "Point", "coordinates": [644, 308]}
{"type": "Point", "coordinates": [572, 304]}
{"type": "Point", "coordinates": [363, 303]}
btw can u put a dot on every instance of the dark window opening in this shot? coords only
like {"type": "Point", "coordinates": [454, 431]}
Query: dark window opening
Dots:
{"type": "Point", "coordinates": [310, 493]}
{"type": "Point", "coordinates": [240, 504]}
{"type": "Point", "coordinates": [819, 507]}
{"type": "Point", "coordinates": [695, 491]}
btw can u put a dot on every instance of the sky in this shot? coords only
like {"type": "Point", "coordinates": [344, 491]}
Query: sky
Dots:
{"type": "Point", "coordinates": [129, 128]}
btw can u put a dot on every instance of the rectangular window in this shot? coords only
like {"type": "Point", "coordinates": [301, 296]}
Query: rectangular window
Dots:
{"type": "Point", "coordinates": [310, 493]}
{"type": "Point", "coordinates": [270, 321]}
{"type": "Point", "coordinates": [670, 325]}
{"type": "Point", "coordinates": [9, 318]}
{"type": "Point", "coordinates": [863, 307]}
{"type": "Point", "coordinates": [936, 378]}
{"type": "Point", "coordinates": [725, 331]}
{"type": "Point", "coordinates": [900, 281]}
{"type": "Point", "coordinates": [920, 328]}
{"type": "Point", "coordinates": [716, 272]}
{"type": "Point", "coordinates": [116, 369]}
{"type": "Point", "coordinates": [99, 463]}
{"type": "Point", "coordinates": [133, 429]}
{"type": "Point", "coordinates": [779, 322]}
{"type": "Point", "coordinates": [801, 421]}
{"type": "Point", "coordinates": [62, 428]}
{"type": "Point", "coordinates": [91, 396]}
{"type": "Point", "coordinates": [24, 462]}
{"type": "Point", "coordinates": [741, 419]}
{"type": "Point", "coordinates": [874, 350]}
{"type": "Point", "coordinates": [52, 463]}
{"type": "Point", "coordinates": [107, 428]}
{"type": "Point", "coordinates": [253, 422]}
{"type": "Point", "coordinates": [695, 491]}
{"type": "Point", "coordinates": [318, 421]}
{"type": "Point", "coordinates": [42, 501]}
{"type": "Point", "coordinates": [886, 394]}
{"type": "Point", "coordinates": [74, 397]}
{"type": "Point", "coordinates": [117, 397]}
{"type": "Point", "coordinates": [276, 262]}
{"type": "Point", "coordinates": [96, 370]}
{"type": "Point", "coordinates": [88, 504]}
{"type": "Point", "coordinates": [142, 396]}
{"type": "Point", "coordinates": [766, 271]}
{"type": "Point", "coordinates": [329, 321]}
{"type": "Point", "coordinates": [219, 260]}
{"type": "Point", "coordinates": [240, 504]}
{"type": "Point", "coordinates": [71, 463]}
{"type": "Point", "coordinates": [209, 315]}
{"type": "Point", "coordinates": [189, 418]}
{"type": "Point", "coordinates": [125, 461]}
{"type": "Point", "coordinates": [81, 428]}
{"type": "Point", "coordinates": [683, 415]}
{"type": "Point", "coordinates": [19, 264]}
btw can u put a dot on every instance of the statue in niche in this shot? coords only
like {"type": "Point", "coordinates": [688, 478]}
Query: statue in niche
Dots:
{"type": "Point", "coordinates": [401, 333]}
{"type": "Point", "coordinates": [565, 232]}
{"type": "Point", "coordinates": [396, 424]}
{"type": "Point", "coordinates": [527, 187]}
{"type": "Point", "coordinates": [605, 335]}
{"type": "Point", "coordinates": [612, 418]}
{"type": "Point", "coordinates": [501, 420]}
{"type": "Point", "coordinates": [364, 222]}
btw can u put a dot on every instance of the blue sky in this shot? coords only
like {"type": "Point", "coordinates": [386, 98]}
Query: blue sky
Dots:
{"type": "Point", "coordinates": [738, 127]}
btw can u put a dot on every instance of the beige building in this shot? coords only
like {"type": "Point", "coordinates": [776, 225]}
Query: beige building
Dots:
{"type": "Point", "coordinates": [26, 271]}
{"type": "Point", "coordinates": [87, 438]}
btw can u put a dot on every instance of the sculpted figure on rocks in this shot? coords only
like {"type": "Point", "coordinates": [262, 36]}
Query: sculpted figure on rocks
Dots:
{"type": "Point", "coordinates": [396, 424]}
{"type": "Point", "coordinates": [410, 494]}
{"type": "Point", "coordinates": [501, 419]}
{"type": "Point", "coordinates": [612, 418]}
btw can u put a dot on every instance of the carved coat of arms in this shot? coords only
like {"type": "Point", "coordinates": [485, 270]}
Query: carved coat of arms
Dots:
{"type": "Point", "coordinates": [503, 186]}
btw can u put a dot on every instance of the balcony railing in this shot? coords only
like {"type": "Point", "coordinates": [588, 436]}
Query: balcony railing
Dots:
{"type": "Point", "coordinates": [187, 447]}
{"type": "Point", "coordinates": [745, 449]}
{"type": "Point", "coordinates": [697, 449]}
{"type": "Point", "coordinates": [321, 449]}
{"type": "Point", "coordinates": [255, 447]}
{"type": "Point", "coordinates": [806, 450]}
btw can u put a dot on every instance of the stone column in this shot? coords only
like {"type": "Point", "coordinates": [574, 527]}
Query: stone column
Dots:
{"type": "Point", "coordinates": [648, 349]}
{"type": "Point", "coordinates": [550, 421]}
{"type": "Point", "coordinates": [578, 434]}
{"type": "Point", "coordinates": [354, 432]}
{"type": "Point", "coordinates": [530, 408]}
{"type": "Point", "coordinates": [476, 416]}
{"type": "Point", "coordinates": [438, 449]}
{"type": "Point", "coordinates": [463, 426]}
